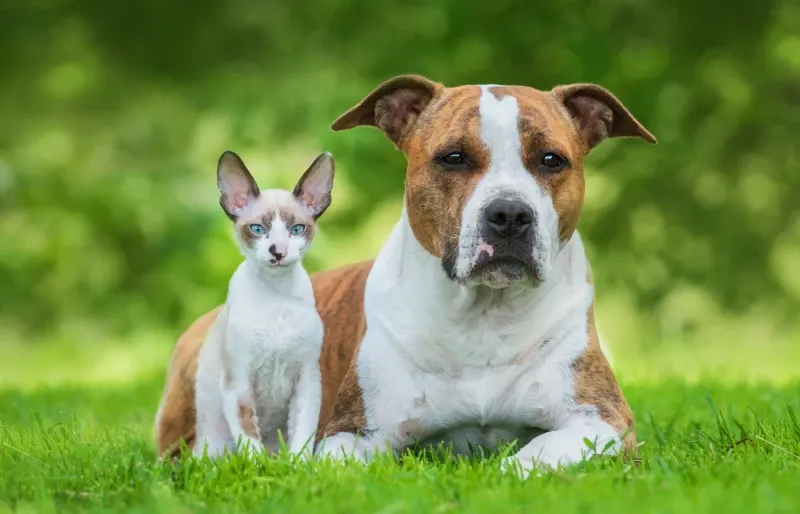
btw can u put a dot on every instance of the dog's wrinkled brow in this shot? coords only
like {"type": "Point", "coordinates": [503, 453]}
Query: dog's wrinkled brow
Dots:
{"type": "Point", "coordinates": [451, 145]}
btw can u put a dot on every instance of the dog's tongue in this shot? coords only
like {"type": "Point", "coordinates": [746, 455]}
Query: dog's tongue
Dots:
{"type": "Point", "coordinates": [483, 247]}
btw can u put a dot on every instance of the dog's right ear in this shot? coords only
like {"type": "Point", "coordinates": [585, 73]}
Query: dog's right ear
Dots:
{"type": "Point", "coordinates": [237, 186]}
{"type": "Point", "coordinates": [393, 106]}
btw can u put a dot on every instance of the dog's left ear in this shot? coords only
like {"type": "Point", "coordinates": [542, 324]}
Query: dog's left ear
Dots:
{"type": "Point", "coordinates": [393, 107]}
{"type": "Point", "coordinates": [313, 190]}
{"type": "Point", "coordinates": [598, 114]}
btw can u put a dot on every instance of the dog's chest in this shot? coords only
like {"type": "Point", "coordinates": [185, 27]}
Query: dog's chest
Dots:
{"type": "Point", "coordinates": [479, 408]}
{"type": "Point", "coordinates": [476, 384]}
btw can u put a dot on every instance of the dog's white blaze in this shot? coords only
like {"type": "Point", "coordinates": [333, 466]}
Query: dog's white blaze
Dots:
{"type": "Point", "coordinates": [506, 177]}
{"type": "Point", "coordinates": [440, 362]}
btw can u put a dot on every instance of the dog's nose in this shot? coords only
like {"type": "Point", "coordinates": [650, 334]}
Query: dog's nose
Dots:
{"type": "Point", "coordinates": [278, 253]}
{"type": "Point", "coordinates": [509, 218]}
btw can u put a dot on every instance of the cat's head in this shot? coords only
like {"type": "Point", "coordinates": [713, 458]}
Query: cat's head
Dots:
{"type": "Point", "coordinates": [274, 227]}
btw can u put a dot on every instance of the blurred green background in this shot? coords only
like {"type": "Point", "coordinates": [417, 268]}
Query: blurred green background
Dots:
{"type": "Point", "coordinates": [113, 114]}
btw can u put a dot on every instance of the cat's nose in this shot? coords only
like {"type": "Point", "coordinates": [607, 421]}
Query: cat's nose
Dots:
{"type": "Point", "coordinates": [277, 251]}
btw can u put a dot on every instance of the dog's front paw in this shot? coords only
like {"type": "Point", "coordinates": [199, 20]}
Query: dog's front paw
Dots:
{"type": "Point", "coordinates": [524, 468]}
{"type": "Point", "coordinates": [342, 446]}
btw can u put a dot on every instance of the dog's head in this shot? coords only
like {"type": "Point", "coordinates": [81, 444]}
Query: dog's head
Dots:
{"type": "Point", "coordinates": [494, 185]}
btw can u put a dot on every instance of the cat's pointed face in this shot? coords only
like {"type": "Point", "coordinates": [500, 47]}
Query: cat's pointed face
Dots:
{"type": "Point", "coordinates": [275, 230]}
{"type": "Point", "coordinates": [274, 227]}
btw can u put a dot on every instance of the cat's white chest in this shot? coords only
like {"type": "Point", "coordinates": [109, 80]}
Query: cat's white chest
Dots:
{"type": "Point", "coordinates": [269, 321]}
{"type": "Point", "coordinates": [275, 335]}
{"type": "Point", "coordinates": [283, 328]}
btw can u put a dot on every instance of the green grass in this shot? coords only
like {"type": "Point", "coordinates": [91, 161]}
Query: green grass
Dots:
{"type": "Point", "coordinates": [707, 448]}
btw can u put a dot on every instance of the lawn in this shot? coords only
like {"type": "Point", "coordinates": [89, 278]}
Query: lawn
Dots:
{"type": "Point", "coordinates": [707, 447]}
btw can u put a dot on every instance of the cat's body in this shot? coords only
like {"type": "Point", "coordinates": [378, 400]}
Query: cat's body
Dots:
{"type": "Point", "coordinates": [258, 378]}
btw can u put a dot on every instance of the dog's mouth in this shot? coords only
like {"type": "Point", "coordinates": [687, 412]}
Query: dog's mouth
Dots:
{"type": "Point", "coordinates": [495, 269]}
{"type": "Point", "coordinates": [501, 271]}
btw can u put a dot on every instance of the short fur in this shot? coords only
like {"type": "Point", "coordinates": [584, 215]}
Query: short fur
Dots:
{"type": "Point", "coordinates": [457, 333]}
{"type": "Point", "coordinates": [258, 375]}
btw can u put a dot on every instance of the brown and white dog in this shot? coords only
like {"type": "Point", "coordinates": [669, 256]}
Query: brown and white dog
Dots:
{"type": "Point", "coordinates": [474, 326]}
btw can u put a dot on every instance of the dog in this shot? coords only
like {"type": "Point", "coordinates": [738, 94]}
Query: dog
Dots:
{"type": "Point", "coordinates": [258, 375]}
{"type": "Point", "coordinates": [474, 326]}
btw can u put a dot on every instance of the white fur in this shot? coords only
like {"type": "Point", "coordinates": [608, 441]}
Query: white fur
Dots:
{"type": "Point", "coordinates": [293, 247]}
{"type": "Point", "coordinates": [506, 178]}
{"type": "Point", "coordinates": [267, 339]}
{"type": "Point", "coordinates": [463, 364]}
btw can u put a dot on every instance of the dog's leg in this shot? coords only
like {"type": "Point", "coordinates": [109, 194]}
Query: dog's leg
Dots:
{"type": "Point", "coordinates": [347, 445]}
{"type": "Point", "coordinates": [567, 445]}
{"type": "Point", "coordinates": [239, 408]}
{"type": "Point", "coordinates": [304, 409]}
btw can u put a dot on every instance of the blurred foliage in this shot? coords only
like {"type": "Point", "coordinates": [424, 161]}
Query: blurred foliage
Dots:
{"type": "Point", "coordinates": [114, 113]}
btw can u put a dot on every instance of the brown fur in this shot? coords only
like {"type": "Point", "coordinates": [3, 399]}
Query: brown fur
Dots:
{"type": "Point", "coordinates": [569, 120]}
{"type": "Point", "coordinates": [289, 214]}
{"type": "Point", "coordinates": [177, 419]}
{"type": "Point", "coordinates": [435, 197]}
{"type": "Point", "coordinates": [247, 417]}
{"type": "Point", "coordinates": [340, 300]}
{"type": "Point", "coordinates": [596, 385]}
{"type": "Point", "coordinates": [598, 114]}
{"type": "Point", "coordinates": [424, 119]}
{"type": "Point", "coordinates": [292, 216]}
{"type": "Point", "coordinates": [427, 120]}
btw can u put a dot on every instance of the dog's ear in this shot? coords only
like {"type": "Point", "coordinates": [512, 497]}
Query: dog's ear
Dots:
{"type": "Point", "coordinates": [393, 106]}
{"type": "Point", "coordinates": [598, 114]}
{"type": "Point", "coordinates": [237, 186]}
{"type": "Point", "coordinates": [313, 190]}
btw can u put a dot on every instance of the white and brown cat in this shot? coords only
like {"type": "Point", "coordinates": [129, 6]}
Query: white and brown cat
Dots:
{"type": "Point", "coordinates": [258, 378]}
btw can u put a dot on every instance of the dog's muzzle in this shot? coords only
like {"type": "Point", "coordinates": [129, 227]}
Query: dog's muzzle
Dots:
{"type": "Point", "coordinates": [507, 220]}
{"type": "Point", "coordinates": [508, 231]}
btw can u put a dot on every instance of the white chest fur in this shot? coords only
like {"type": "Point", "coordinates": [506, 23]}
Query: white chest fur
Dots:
{"type": "Point", "coordinates": [264, 354]}
{"type": "Point", "coordinates": [273, 316]}
{"type": "Point", "coordinates": [442, 363]}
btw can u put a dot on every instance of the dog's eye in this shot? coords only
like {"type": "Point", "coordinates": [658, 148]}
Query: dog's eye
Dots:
{"type": "Point", "coordinates": [257, 229]}
{"type": "Point", "coordinates": [454, 159]}
{"type": "Point", "coordinates": [553, 162]}
{"type": "Point", "coordinates": [298, 229]}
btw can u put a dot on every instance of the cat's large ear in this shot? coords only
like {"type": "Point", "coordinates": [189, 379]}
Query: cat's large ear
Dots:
{"type": "Point", "coordinates": [313, 190]}
{"type": "Point", "coordinates": [237, 186]}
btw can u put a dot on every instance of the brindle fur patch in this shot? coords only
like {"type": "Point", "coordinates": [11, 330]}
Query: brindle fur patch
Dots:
{"type": "Point", "coordinates": [435, 196]}
{"type": "Point", "coordinates": [596, 385]}
{"type": "Point", "coordinates": [340, 302]}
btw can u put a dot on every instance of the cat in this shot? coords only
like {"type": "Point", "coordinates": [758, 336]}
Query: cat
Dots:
{"type": "Point", "coordinates": [258, 377]}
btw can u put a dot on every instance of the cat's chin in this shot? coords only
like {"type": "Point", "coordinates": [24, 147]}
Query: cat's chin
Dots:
{"type": "Point", "coordinates": [277, 267]}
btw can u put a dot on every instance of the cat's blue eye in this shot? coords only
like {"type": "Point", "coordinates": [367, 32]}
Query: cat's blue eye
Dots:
{"type": "Point", "coordinates": [257, 229]}
{"type": "Point", "coordinates": [298, 229]}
